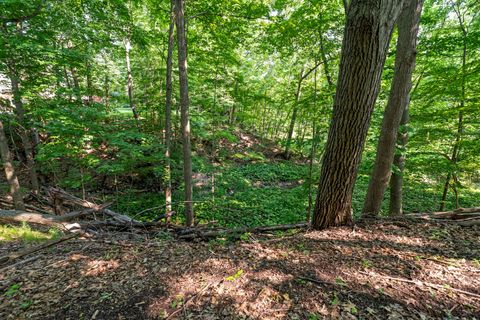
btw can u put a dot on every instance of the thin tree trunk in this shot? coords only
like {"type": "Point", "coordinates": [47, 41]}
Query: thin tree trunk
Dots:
{"type": "Point", "coordinates": [460, 127]}
{"type": "Point", "coordinates": [106, 99]}
{"type": "Point", "coordinates": [303, 129]}
{"type": "Point", "coordinates": [455, 190]}
{"type": "Point", "coordinates": [67, 82]}
{"type": "Point", "coordinates": [130, 81]}
{"type": "Point", "coordinates": [24, 133]}
{"type": "Point", "coordinates": [367, 36]}
{"type": "Point", "coordinates": [293, 119]}
{"type": "Point", "coordinates": [10, 171]}
{"type": "Point", "coordinates": [408, 24]}
{"type": "Point", "coordinates": [326, 66]}
{"type": "Point", "coordinates": [76, 84]}
{"type": "Point", "coordinates": [313, 151]}
{"type": "Point", "coordinates": [396, 181]}
{"type": "Point", "coordinates": [345, 6]}
{"type": "Point", "coordinates": [231, 118]}
{"type": "Point", "coordinates": [184, 101]}
{"type": "Point", "coordinates": [445, 192]}
{"type": "Point", "coordinates": [89, 83]}
{"type": "Point", "coordinates": [458, 138]}
{"type": "Point", "coordinates": [453, 161]}
{"type": "Point", "coordinates": [168, 112]}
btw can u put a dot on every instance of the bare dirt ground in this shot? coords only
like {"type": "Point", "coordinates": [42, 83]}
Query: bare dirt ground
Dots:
{"type": "Point", "coordinates": [382, 270]}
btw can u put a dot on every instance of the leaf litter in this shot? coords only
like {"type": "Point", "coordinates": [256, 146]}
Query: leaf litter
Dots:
{"type": "Point", "coordinates": [381, 270]}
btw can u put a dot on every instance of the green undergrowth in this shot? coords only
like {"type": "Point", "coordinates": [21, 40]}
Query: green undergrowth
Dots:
{"type": "Point", "coordinates": [262, 193]}
{"type": "Point", "coordinates": [419, 195]}
{"type": "Point", "coordinates": [243, 195]}
{"type": "Point", "coordinates": [26, 234]}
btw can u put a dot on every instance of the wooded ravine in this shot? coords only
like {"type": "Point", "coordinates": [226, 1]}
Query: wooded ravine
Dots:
{"type": "Point", "coordinates": [240, 159]}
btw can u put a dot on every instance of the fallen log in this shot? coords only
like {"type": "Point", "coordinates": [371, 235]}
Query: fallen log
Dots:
{"type": "Point", "coordinates": [81, 213]}
{"type": "Point", "coordinates": [462, 216]}
{"type": "Point", "coordinates": [71, 199]}
{"type": "Point", "coordinates": [444, 215]}
{"type": "Point", "coordinates": [468, 210]}
{"type": "Point", "coordinates": [95, 224]}
{"type": "Point", "coordinates": [27, 206]}
{"type": "Point", "coordinates": [64, 222]}
{"type": "Point", "coordinates": [193, 233]}
{"type": "Point", "coordinates": [469, 222]}
{"type": "Point", "coordinates": [9, 216]}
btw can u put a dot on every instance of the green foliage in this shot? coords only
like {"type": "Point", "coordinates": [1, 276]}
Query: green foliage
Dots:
{"type": "Point", "coordinates": [25, 233]}
{"type": "Point", "coordinates": [12, 290]}
{"type": "Point", "coordinates": [367, 263]}
{"type": "Point", "coordinates": [245, 58]}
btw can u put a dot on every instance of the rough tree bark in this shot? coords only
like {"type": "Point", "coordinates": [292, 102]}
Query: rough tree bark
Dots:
{"type": "Point", "coordinates": [10, 171]}
{"type": "Point", "coordinates": [184, 101]}
{"type": "Point", "coordinates": [408, 23]}
{"type": "Point", "coordinates": [366, 38]}
{"type": "Point", "coordinates": [168, 111]}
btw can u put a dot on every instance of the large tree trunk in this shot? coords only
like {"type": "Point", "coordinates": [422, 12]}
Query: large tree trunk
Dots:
{"type": "Point", "coordinates": [130, 81]}
{"type": "Point", "coordinates": [168, 112]}
{"type": "Point", "coordinates": [24, 132]}
{"type": "Point", "coordinates": [184, 101]}
{"type": "Point", "coordinates": [396, 181]}
{"type": "Point", "coordinates": [408, 23]}
{"type": "Point", "coordinates": [10, 171]}
{"type": "Point", "coordinates": [367, 35]}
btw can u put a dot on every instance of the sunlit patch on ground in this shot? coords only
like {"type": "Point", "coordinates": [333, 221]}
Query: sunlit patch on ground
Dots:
{"type": "Point", "coordinates": [25, 233]}
{"type": "Point", "coordinates": [97, 267]}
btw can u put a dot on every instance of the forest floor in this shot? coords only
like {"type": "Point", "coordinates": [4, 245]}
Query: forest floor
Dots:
{"type": "Point", "coordinates": [388, 269]}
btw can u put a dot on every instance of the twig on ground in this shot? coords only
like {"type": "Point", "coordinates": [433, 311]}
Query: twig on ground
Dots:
{"type": "Point", "coordinates": [13, 256]}
{"type": "Point", "coordinates": [426, 284]}
{"type": "Point", "coordinates": [315, 281]}
{"type": "Point", "coordinates": [19, 263]}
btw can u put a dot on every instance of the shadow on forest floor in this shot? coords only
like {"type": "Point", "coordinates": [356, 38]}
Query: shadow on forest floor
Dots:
{"type": "Point", "coordinates": [384, 270]}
